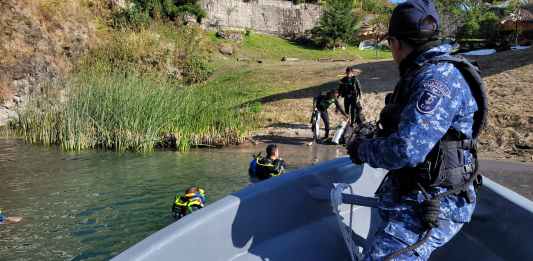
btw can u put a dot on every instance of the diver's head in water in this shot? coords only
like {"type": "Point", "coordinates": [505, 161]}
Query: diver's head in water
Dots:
{"type": "Point", "coordinates": [272, 151]}
{"type": "Point", "coordinates": [192, 189]}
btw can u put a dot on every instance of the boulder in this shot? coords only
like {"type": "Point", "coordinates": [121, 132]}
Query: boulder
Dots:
{"type": "Point", "coordinates": [226, 49]}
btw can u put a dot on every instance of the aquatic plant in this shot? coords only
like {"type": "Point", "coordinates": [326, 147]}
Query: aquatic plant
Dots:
{"type": "Point", "coordinates": [127, 111]}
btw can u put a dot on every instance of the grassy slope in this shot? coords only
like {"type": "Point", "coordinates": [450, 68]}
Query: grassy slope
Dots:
{"type": "Point", "coordinates": [259, 46]}
{"type": "Point", "coordinates": [273, 77]}
{"type": "Point", "coordinates": [134, 111]}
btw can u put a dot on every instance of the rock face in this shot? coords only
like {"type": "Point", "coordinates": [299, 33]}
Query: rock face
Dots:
{"type": "Point", "coordinates": [38, 41]}
{"type": "Point", "coordinates": [266, 16]}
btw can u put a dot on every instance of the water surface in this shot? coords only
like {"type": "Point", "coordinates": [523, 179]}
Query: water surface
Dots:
{"type": "Point", "coordinates": [93, 205]}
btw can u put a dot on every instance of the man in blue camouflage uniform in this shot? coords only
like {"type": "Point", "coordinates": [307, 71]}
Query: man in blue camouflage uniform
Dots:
{"type": "Point", "coordinates": [437, 100]}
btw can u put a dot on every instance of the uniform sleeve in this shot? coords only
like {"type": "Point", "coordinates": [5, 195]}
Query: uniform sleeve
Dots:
{"type": "Point", "coordinates": [425, 119]}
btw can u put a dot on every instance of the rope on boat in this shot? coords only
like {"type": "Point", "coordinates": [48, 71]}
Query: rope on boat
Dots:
{"type": "Point", "coordinates": [346, 231]}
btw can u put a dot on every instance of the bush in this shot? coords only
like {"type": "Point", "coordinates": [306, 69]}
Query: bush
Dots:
{"type": "Point", "coordinates": [337, 25]}
{"type": "Point", "coordinates": [157, 50]}
{"type": "Point", "coordinates": [142, 11]}
{"type": "Point", "coordinates": [479, 24]}
{"type": "Point", "coordinates": [131, 17]}
{"type": "Point", "coordinates": [196, 69]}
{"type": "Point", "coordinates": [193, 9]}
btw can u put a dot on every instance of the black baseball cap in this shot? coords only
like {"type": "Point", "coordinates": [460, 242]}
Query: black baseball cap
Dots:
{"type": "Point", "coordinates": [408, 20]}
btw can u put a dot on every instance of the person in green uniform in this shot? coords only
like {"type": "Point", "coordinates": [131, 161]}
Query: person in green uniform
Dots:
{"type": "Point", "coordinates": [322, 102]}
{"type": "Point", "coordinates": [350, 91]}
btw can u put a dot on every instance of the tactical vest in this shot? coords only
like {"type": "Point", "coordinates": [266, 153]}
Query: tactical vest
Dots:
{"type": "Point", "coordinates": [266, 168]}
{"type": "Point", "coordinates": [444, 165]}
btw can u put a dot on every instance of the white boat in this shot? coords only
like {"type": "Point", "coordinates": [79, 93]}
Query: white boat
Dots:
{"type": "Point", "coordinates": [290, 218]}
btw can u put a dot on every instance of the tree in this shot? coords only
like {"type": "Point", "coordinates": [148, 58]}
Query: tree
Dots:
{"type": "Point", "coordinates": [337, 24]}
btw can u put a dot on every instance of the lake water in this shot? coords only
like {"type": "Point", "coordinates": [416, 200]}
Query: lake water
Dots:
{"type": "Point", "coordinates": [93, 205]}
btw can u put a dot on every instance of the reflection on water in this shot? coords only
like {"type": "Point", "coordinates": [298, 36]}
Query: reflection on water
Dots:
{"type": "Point", "coordinates": [93, 205]}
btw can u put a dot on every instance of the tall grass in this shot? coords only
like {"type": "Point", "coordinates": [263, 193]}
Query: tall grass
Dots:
{"type": "Point", "coordinates": [129, 111]}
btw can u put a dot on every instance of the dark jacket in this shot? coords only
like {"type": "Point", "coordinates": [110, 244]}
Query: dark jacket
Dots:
{"type": "Point", "coordinates": [350, 87]}
{"type": "Point", "coordinates": [323, 102]}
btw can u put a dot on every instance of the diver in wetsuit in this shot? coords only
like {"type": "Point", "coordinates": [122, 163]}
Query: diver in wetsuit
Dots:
{"type": "Point", "coordinates": [322, 102]}
{"type": "Point", "coordinates": [350, 91]}
{"type": "Point", "coordinates": [262, 168]}
{"type": "Point", "coordinates": [193, 199]}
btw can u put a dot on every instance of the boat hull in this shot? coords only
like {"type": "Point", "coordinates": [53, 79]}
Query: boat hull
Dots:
{"type": "Point", "coordinates": [282, 219]}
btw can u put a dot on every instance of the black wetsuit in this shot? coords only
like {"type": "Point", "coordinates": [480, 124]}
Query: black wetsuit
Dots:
{"type": "Point", "coordinates": [322, 104]}
{"type": "Point", "coordinates": [350, 90]}
{"type": "Point", "coordinates": [267, 168]}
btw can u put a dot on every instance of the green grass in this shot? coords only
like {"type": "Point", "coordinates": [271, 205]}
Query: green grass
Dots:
{"type": "Point", "coordinates": [261, 46]}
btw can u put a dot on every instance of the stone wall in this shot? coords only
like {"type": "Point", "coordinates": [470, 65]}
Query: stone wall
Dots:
{"type": "Point", "coordinates": [267, 16]}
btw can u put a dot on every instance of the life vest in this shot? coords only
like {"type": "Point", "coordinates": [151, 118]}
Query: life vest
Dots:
{"type": "Point", "coordinates": [187, 203]}
{"type": "Point", "coordinates": [444, 165]}
{"type": "Point", "coordinates": [263, 168]}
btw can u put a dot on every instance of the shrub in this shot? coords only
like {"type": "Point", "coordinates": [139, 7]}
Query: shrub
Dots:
{"type": "Point", "coordinates": [193, 9]}
{"type": "Point", "coordinates": [142, 11]}
{"type": "Point", "coordinates": [130, 17]}
{"type": "Point", "coordinates": [337, 24]}
{"type": "Point", "coordinates": [196, 69]}
{"type": "Point", "coordinates": [156, 50]}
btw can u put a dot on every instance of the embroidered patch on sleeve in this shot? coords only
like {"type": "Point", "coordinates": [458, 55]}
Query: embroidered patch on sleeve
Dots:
{"type": "Point", "coordinates": [428, 102]}
{"type": "Point", "coordinates": [436, 87]}
{"type": "Point", "coordinates": [433, 92]}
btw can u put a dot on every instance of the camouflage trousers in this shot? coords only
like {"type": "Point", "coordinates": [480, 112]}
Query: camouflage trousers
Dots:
{"type": "Point", "coordinates": [402, 226]}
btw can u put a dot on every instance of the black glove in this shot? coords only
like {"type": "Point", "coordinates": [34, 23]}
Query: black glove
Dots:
{"type": "Point", "coordinates": [430, 212]}
{"type": "Point", "coordinates": [352, 151]}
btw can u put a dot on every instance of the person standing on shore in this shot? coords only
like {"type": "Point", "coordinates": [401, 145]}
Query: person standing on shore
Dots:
{"type": "Point", "coordinates": [350, 91]}
{"type": "Point", "coordinates": [321, 104]}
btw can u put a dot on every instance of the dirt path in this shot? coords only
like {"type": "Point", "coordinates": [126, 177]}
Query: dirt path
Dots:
{"type": "Point", "coordinates": [508, 75]}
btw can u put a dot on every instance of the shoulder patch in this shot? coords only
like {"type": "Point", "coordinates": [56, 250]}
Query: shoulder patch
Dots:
{"type": "Point", "coordinates": [436, 87]}
{"type": "Point", "coordinates": [428, 102]}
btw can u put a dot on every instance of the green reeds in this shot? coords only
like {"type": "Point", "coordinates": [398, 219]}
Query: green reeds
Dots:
{"type": "Point", "coordinates": [130, 111]}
